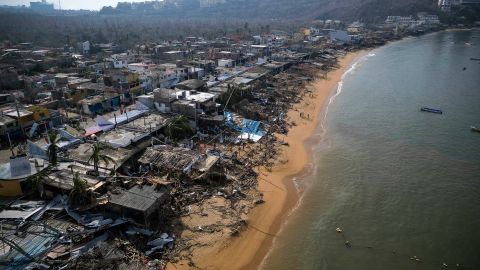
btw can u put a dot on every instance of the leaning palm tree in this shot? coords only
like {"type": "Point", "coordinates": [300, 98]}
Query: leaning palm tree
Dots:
{"type": "Point", "coordinates": [178, 127]}
{"type": "Point", "coordinates": [80, 194]}
{"type": "Point", "coordinates": [97, 156]}
{"type": "Point", "coordinates": [52, 150]}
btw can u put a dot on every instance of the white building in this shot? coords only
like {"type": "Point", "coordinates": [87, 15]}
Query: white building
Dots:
{"type": "Point", "coordinates": [445, 5]}
{"type": "Point", "coordinates": [120, 63]}
{"type": "Point", "coordinates": [120, 60]}
{"type": "Point", "coordinates": [139, 67]}
{"type": "Point", "coordinates": [428, 19]}
{"type": "Point", "coordinates": [86, 47]}
{"type": "Point", "coordinates": [210, 3]}
{"type": "Point", "coordinates": [400, 21]}
{"type": "Point", "coordinates": [225, 63]}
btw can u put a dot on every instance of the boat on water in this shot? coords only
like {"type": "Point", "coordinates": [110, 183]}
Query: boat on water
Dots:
{"type": "Point", "coordinates": [475, 129]}
{"type": "Point", "coordinates": [430, 110]}
{"type": "Point", "coordinates": [475, 59]}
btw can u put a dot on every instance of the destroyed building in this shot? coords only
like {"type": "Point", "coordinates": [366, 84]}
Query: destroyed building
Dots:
{"type": "Point", "coordinates": [165, 160]}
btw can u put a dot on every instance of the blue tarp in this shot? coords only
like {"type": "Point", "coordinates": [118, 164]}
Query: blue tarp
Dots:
{"type": "Point", "coordinates": [65, 135]}
{"type": "Point", "coordinates": [247, 126]}
{"type": "Point", "coordinates": [252, 127]}
{"type": "Point", "coordinates": [36, 151]}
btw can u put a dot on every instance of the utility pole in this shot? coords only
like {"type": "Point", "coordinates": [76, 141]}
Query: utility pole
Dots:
{"type": "Point", "coordinates": [10, 142]}
{"type": "Point", "coordinates": [64, 103]}
{"type": "Point", "coordinates": [18, 116]}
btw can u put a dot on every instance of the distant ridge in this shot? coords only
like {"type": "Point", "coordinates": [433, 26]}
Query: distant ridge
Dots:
{"type": "Point", "coordinates": [369, 10]}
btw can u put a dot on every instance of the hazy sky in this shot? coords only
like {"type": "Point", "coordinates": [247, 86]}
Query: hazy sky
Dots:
{"type": "Point", "coordinates": [71, 4]}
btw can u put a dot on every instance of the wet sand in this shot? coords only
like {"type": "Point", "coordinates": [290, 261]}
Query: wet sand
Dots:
{"type": "Point", "coordinates": [248, 250]}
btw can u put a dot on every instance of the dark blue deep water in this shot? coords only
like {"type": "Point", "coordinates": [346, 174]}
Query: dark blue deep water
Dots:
{"type": "Point", "coordinates": [399, 182]}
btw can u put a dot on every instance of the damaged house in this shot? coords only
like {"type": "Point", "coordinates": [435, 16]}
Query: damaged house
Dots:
{"type": "Point", "coordinates": [181, 161]}
{"type": "Point", "coordinates": [139, 203]}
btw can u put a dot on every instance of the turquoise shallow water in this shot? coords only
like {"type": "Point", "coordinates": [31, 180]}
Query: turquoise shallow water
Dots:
{"type": "Point", "coordinates": [399, 182]}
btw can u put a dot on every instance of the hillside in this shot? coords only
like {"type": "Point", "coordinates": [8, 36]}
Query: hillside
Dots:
{"type": "Point", "coordinates": [127, 24]}
{"type": "Point", "coordinates": [368, 10]}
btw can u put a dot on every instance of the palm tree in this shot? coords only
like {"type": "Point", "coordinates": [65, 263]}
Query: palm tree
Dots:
{"type": "Point", "coordinates": [98, 156]}
{"type": "Point", "coordinates": [178, 127]}
{"type": "Point", "coordinates": [37, 184]}
{"type": "Point", "coordinates": [80, 194]}
{"type": "Point", "coordinates": [52, 150]}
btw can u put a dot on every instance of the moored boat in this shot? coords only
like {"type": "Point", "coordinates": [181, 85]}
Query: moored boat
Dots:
{"type": "Point", "coordinates": [475, 129]}
{"type": "Point", "coordinates": [425, 109]}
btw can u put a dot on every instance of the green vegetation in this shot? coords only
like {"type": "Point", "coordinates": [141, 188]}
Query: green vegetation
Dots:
{"type": "Point", "coordinates": [52, 150]}
{"type": "Point", "coordinates": [37, 184]}
{"type": "Point", "coordinates": [232, 96]}
{"type": "Point", "coordinates": [178, 128]}
{"type": "Point", "coordinates": [126, 26]}
{"type": "Point", "coordinates": [97, 156]}
{"type": "Point", "coordinates": [80, 194]}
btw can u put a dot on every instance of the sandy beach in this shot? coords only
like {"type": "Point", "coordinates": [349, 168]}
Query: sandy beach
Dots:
{"type": "Point", "coordinates": [248, 250]}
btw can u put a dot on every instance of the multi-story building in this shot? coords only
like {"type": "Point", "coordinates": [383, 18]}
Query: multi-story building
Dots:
{"type": "Point", "coordinates": [210, 3]}
{"type": "Point", "coordinates": [42, 6]}
{"type": "Point", "coordinates": [428, 19]}
{"type": "Point", "coordinates": [400, 20]}
{"type": "Point", "coordinates": [445, 5]}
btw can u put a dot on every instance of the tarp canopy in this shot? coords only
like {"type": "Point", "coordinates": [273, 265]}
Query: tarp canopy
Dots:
{"type": "Point", "coordinates": [92, 130]}
{"type": "Point", "coordinates": [246, 126]}
{"type": "Point", "coordinates": [127, 117]}
{"type": "Point", "coordinates": [105, 125]}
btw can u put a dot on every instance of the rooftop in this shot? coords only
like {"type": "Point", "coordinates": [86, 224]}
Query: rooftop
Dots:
{"type": "Point", "coordinates": [140, 198]}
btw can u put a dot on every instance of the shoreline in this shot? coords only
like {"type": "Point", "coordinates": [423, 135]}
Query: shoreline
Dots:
{"type": "Point", "coordinates": [251, 247]}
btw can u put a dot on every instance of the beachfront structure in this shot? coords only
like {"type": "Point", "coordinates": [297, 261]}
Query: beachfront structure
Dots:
{"type": "Point", "coordinates": [140, 202]}
{"type": "Point", "coordinates": [400, 20]}
{"type": "Point", "coordinates": [446, 5]}
{"type": "Point", "coordinates": [428, 19]}
{"type": "Point", "coordinates": [14, 175]}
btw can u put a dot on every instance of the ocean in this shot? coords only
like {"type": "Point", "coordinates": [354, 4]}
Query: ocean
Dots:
{"type": "Point", "coordinates": [403, 185]}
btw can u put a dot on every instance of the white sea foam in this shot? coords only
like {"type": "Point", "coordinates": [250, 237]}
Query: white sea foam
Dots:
{"type": "Point", "coordinates": [295, 179]}
{"type": "Point", "coordinates": [340, 87]}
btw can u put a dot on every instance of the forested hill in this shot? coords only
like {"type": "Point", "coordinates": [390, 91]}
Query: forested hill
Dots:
{"type": "Point", "coordinates": [367, 10]}
{"type": "Point", "coordinates": [128, 24]}
{"type": "Point", "coordinates": [349, 10]}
